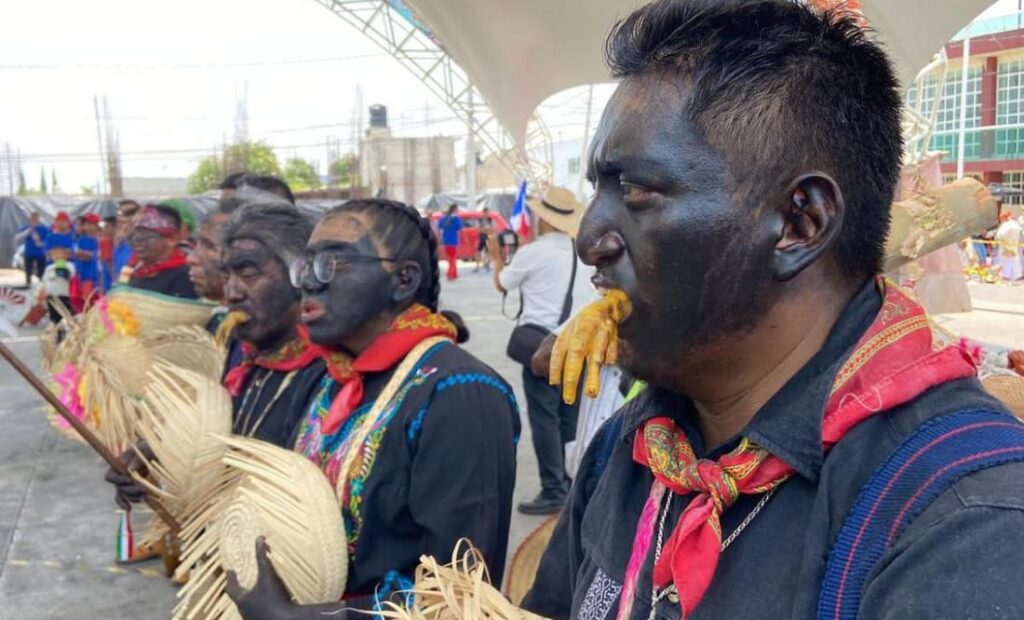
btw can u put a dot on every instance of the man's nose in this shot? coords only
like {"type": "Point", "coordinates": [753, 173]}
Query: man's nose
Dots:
{"type": "Point", "coordinates": [233, 291]}
{"type": "Point", "coordinates": [598, 242]}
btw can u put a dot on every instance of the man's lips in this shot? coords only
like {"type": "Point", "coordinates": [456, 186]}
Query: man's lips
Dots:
{"type": "Point", "coordinates": [311, 311]}
{"type": "Point", "coordinates": [603, 282]}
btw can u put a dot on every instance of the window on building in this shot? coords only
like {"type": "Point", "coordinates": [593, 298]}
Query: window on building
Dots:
{"type": "Point", "coordinates": [1009, 110]}
{"type": "Point", "coordinates": [574, 165]}
{"type": "Point", "coordinates": [1014, 180]}
{"type": "Point", "coordinates": [947, 121]}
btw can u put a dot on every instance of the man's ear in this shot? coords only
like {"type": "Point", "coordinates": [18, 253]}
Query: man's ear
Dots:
{"type": "Point", "coordinates": [811, 216]}
{"type": "Point", "coordinates": [405, 281]}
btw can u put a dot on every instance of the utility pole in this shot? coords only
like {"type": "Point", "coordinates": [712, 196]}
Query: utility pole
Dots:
{"type": "Point", "coordinates": [99, 142]}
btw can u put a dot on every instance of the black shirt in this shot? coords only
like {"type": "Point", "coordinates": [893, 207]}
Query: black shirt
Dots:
{"type": "Point", "coordinates": [272, 402]}
{"type": "Point", "coordinates": [958, 559]}
{"type": "Point", "coordinates": [174, 282]}
{"type": "Point", "coordinates": [444, 468]}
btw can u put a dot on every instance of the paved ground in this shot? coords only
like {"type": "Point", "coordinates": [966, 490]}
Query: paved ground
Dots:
{"type": "Point", "coordinates": [57, 519]}
{"type": "Point", "coordinates": [57, 522]}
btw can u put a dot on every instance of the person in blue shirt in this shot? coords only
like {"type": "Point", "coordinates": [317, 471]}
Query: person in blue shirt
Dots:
{"type": "Point", "coordinates": [123, 254]}
{"type": "Point", "coordinates": [60, 235]}
{"type": "Point", "coordinates": [87, 249]}
{"type": "Point", "coordinates": [34, 234]}
{"type": "Point", "coordinates": [450, 226]}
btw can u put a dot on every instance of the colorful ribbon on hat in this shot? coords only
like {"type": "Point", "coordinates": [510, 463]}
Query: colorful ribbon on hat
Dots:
{"type": "Point", "coordinates": [893, 363]}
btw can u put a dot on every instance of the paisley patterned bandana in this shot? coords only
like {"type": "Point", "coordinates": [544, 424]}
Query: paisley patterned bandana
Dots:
{"type": "Point", "coordinates": [894, 362]}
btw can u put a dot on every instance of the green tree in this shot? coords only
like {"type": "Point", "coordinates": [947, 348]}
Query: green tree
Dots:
{"type": "Point", "coordinates": [254, 157]}
{"type": "Point", "coordinates": [87, 190]}
{"type": "Point", "coordinates": [42, 181]}
{"type": "Point", "coordinates": [300, 174]}
{"type": "Point", "coordinates": [22, 190]}
{"type": "Point", "coordinates": [53, 180]}
{"type": "Point", "coordinates": [343, 170]}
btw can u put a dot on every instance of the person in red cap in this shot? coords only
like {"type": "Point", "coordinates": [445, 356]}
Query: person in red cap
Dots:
{"type": "Point", "coordinates": [60, 235]}
{"type": "Point", "coordinates": [162, 267]}
{"type": "Point", "coordinates": [86, 253]}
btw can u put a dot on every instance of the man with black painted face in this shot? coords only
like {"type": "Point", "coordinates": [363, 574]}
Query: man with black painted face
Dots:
{"type": "Point", "coordinates": [785, 461]}
{"type": "Point", "coordinates": [279, 370]}
{"type": "Point", "coordinates": [440, 462]}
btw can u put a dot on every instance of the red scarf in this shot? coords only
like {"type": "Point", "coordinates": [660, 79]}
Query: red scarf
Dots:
{"type": "Point", "coordinates": [408, 330]}
{"type": "Point", "coordinates": [176, 259]}
{"type": "Point", "coordinates": [296, 354]}
{"type": "Point", "coordinates": [893, 363]}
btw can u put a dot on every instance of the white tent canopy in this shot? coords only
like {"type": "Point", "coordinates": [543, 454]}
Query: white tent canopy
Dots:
{"type": "Point", "coordinates": [521, 52]}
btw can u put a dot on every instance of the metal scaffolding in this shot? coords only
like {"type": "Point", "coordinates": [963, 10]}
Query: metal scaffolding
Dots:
{"type": "Point", "coordinates": [414, 47]}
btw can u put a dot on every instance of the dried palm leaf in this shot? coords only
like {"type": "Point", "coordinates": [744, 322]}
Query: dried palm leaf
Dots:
{"type": "Point", "coordinates": [264, 491]}
{"type": "Point", "coordinates": [186, 346]}
{"type": "Point", "coordinates": [459, 591]}
{"type": "Point", "coordinates": [154, 311]}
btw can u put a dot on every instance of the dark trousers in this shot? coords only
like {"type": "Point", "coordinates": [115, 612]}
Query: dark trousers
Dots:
{"type": "Point", "coordinates": [53, 303]}
{"type": "Point", "coordinates": [34, 266]}
{"type": "Point", "coordinates": [552, 424]}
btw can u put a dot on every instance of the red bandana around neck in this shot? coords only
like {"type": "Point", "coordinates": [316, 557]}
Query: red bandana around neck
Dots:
{"type": "Point", "coordinates": [895, 361]}
{"type": "Point", "coordinates": [409, 329]}
{"type": "Point", "coordinates": [176, 259]}
{"type": "Point", "coordinates": [295, 354]}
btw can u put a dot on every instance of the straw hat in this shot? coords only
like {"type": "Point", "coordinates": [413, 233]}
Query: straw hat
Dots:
{"type": "Point", "coordinates": [187, 346]}
{"type": "Point", "coordinates": [523, 570]}
{"type": "Point", "coordinates": [263, 491]}
{"type": "Point", "coordinates": [558, 207]}
{"type": "Point", "coordinates": [152, 310]}
{"type": "Point", "coordinates": [1009, 389]}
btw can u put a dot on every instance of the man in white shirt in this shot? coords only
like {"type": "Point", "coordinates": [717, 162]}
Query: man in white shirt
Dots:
{"type": "Point", "coordinates": [541, 270]}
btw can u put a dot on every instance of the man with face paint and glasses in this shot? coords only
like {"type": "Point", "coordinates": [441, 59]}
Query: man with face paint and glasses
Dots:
{"type": "Point", "coordinates": [279, 370]}
{"type": "Point", "coordinates": [805, 448]}
{"type": "Point", "coordinates": [440, 464]}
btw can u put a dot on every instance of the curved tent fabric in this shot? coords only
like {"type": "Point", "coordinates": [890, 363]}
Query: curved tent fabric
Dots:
{"type": "Point", "coordinates": [520, 53]}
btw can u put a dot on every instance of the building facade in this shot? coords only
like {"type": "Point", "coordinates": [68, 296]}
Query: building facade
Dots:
{"type": "Point", "coordinates": [994, 121]}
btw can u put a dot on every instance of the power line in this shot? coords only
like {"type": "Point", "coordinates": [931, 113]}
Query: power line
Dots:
{"type": "Point", "coordinates": [210, 65]}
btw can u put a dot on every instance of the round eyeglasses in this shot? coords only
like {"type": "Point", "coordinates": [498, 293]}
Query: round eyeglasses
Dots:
{"type": "Point", "coordinates": [326, 264]}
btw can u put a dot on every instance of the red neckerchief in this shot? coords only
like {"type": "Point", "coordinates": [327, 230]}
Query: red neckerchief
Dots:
{"type": "Point", "coordinates": [894, 362]}
{"type": "Point", "coordinates": [297, 353]}
{"type": "Point", "coordinates": [408, 330]}
{"type": "Point", "coordinates": [176, 259]}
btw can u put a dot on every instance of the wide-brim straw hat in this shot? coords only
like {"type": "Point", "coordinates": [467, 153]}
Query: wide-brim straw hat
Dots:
{"type": "Point", "coordinates": [154, 311]}
{"type": "Point", "coordinates": [265, 491]}
{"type": "Point", "coordinates": [1009, 389]}
{"type": "Point", "coordinates": [523, 570]}
{"type": "Point", "coordinates": [560, 208]}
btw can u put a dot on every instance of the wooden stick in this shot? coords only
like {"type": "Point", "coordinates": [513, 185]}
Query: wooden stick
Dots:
{"type": "Point", "coordinates": [82, 430]}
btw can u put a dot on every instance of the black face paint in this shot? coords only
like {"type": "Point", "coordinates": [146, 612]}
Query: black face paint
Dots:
{"type": "Point", "coordinates": [257, 284]}
{"type": "Point", "coordinates": [664, 227]}
{"type": "Point", "coordinates": [359, 292]}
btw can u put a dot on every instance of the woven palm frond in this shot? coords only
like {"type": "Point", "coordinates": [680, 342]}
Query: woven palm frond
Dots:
{"type": "Point", "coordinates": [72, 339]}
{"type": "Point", "coordinates": [107, 382]}
{"type": "Point", "coordinates": [186, 346]}
{"type": "Point", "coordinates": [181, 417]}
{"type": "Point", "coordinates": [1009, 389]}
{"type": "Point", "coordinates": [459, 591]}
{"type": "Point", "coordinates": [272, 492]}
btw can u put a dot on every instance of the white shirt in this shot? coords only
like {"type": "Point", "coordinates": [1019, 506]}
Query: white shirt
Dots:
{"type": "Point", "coordinates": [57, 286]}
{"type": "Point", "coordinates": [541, 271]}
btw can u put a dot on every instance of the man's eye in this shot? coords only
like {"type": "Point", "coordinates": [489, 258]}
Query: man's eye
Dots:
{"type": "Point", "coordinates": [632, 192]}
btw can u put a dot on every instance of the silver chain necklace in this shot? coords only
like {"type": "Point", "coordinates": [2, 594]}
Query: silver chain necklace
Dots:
{"type": "Point", "coordinates": [670, 591]}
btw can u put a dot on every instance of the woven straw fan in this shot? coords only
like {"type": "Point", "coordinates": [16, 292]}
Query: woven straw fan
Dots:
{"type": "Point", "coordinates": [458, 591]}
{"type": "Point", "coordinates": [266, 491]}
{"type": "Point", "coordinates": [181, 418]}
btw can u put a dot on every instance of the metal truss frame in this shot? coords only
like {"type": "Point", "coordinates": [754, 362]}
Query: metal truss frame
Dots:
{"type": "Point", "coordinates": [430, 64]}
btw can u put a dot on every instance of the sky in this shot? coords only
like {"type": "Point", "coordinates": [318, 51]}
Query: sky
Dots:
{"type": "Point", "coordinates": [171, 73]}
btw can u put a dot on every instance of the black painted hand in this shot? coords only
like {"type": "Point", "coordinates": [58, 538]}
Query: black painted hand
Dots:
{"type": "Point", "coordinates": [128, 491]}
{"type": "Point", "coordinates": [269, 598]}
